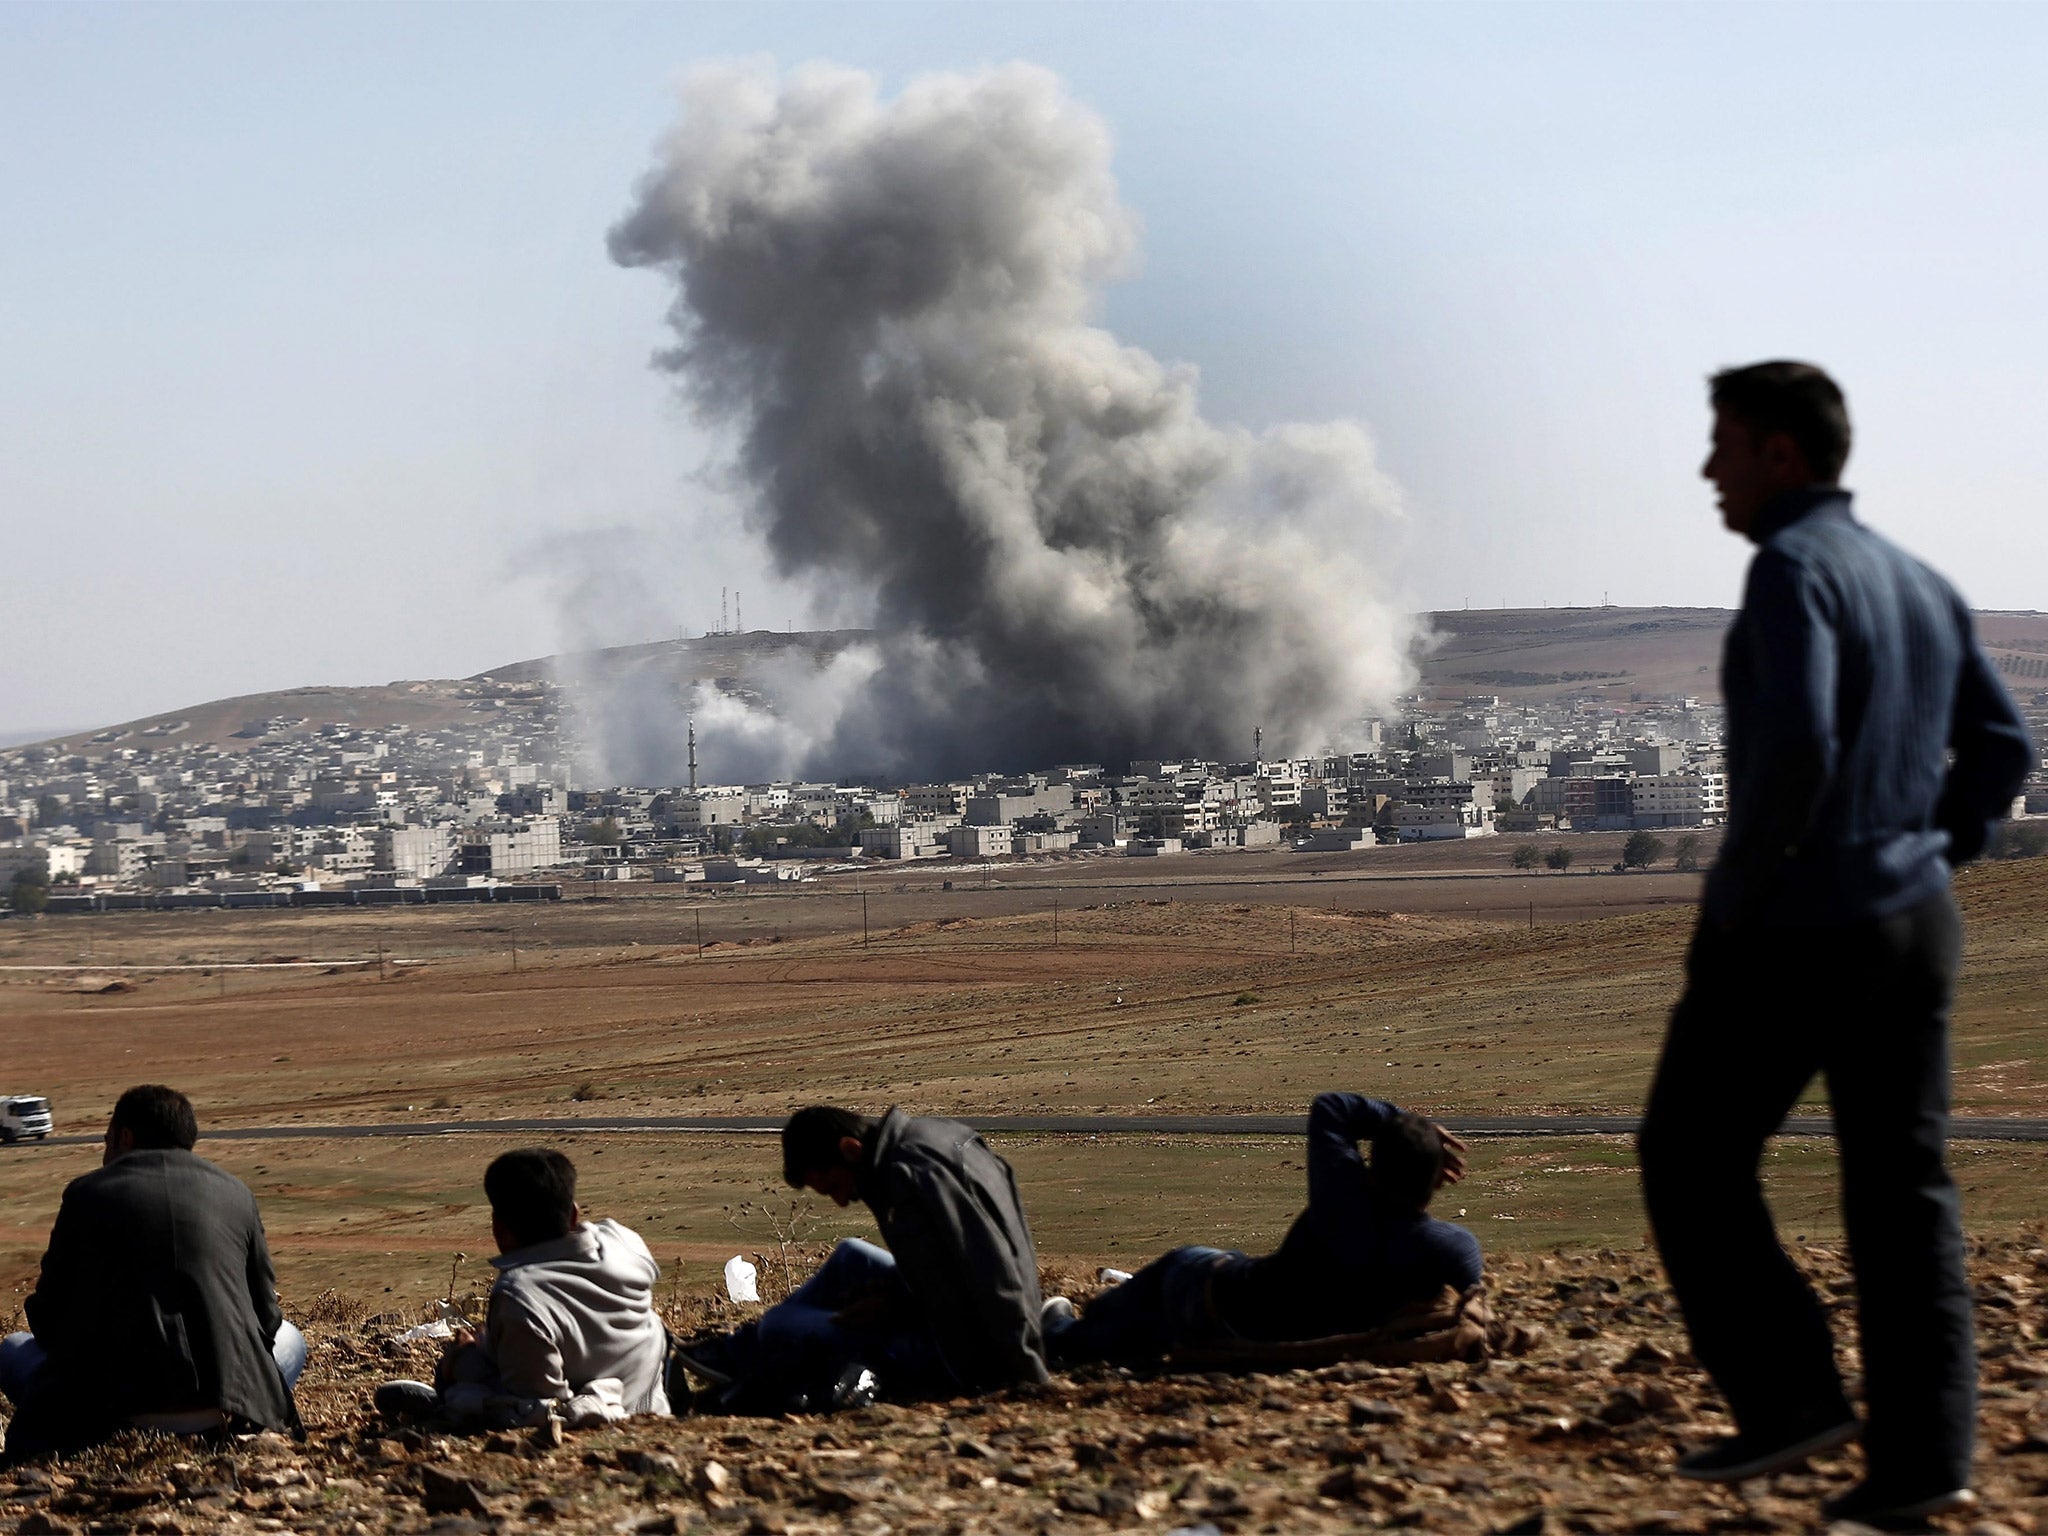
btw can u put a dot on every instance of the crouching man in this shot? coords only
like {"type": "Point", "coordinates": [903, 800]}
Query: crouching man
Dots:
{"type": "Point", "coordinates": [951, 1305]}
{"type": "Point", "coordinates": [570, 1330]}
{"type": "Point", "coordinates": [157, 1306]}
{"type": "Point", "coordinates": [1365, 1248]}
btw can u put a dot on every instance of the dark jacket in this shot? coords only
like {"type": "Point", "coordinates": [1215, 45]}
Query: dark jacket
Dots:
{"type": "Point", "coordinates": [156, 1296]}
{"type": "Point", "coordinates": [1870, 742]}
{"type": "Point", "coordinates": [949, 1211]}
{"type": "Point", "coordinates": [1350, 1261]}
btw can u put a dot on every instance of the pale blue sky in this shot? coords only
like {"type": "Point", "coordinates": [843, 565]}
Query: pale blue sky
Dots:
{"type": "Point", "coordinates": [314, 360]}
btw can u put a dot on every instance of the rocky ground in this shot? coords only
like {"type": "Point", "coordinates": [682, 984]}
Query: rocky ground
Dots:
{"type": "Point", "coordinates": [1575, 1432]}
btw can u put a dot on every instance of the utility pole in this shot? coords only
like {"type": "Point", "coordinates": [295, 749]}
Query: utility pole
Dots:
{"type": "Point", "coordinates": [863, 919]}
{"type": "Point", "coordinates": [380, 959]}
{"type": "Point", "coordinates": [1055, 922]}
{"type": "Point", "coordinates": [515, 957]}
{"type": "Point", "coordinates": [1290, 930]}
{"type": "Point", "coordinates": [700, 933]}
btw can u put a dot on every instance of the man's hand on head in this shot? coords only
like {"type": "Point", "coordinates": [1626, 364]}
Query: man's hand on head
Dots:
{"type": "Point", "coordinates": [1454, 1156]}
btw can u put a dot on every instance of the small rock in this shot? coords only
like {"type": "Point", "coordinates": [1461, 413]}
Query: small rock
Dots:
{"type": "Point", "coordinates": [41, 1522]}
{"type": "Point", "coordinates": [655, 1464]}
{"type": "Point", "coordinates": [1080, 1501]}
{"type": "Point", "coordinates": [1623, 1407]}
{"type": "Point", "coordinates": [446, 1491]}
{"type": "Point", "coordinates": [1646, 1358]}
{"type": "Point", "coordinates": [974, 1450]}
{"type": "Point", "coordinates": [1374, 1410]}
{"type": "Point", "coordinates": [711, 1477]}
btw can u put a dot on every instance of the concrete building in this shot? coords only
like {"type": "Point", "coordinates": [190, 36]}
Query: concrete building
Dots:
{"type": "Point", "coordinates": [1679, 800]}
{"type": "Point", "coordinates": [969, 842]}
{"type": "Point", "coordinates": [511, 847]}
{"type": "Point", "coordinates": [905, 840]}
{"type": "Point", "coordinates": [416, 852]}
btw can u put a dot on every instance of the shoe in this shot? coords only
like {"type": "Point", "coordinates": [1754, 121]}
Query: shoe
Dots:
{"type": "Point", "coordinates": [405, 1401]}
{"type": "Point", "coordinates": [704, 1363]}
{"type": "Point", "coordinates": [1886, 1511]}
{"type": "Point", "coordinates": [1056, 1316]}
{"type": "Point", "coordinates": [1738, 1458]}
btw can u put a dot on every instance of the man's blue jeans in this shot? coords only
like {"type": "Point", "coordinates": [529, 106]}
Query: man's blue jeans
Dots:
{"type": "Point", "coordinates": [22, 1360]}
{"type": "Point", "coordinates": [806, 1335]}
{"type": "Point", "coordinates": [1162, 1306]}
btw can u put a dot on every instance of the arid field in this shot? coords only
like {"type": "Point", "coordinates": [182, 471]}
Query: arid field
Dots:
{"type": "Point", "coordinates": [1225, 986]}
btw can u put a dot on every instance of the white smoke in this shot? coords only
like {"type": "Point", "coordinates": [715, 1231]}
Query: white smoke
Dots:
{"type": "Point", "coordinates": [889, 303]}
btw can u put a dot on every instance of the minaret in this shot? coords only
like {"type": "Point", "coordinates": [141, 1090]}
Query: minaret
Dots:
{"type": "Point", "coordinates": [693, 755]}
{"type": "Point", "coordinates": [1258, 743]}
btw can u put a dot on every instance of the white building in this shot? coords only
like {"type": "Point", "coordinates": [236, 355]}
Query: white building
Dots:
{"type": "Point", "coordinates": [1679, 799]}
{"type": "Point", "coordinates": [978, 842]}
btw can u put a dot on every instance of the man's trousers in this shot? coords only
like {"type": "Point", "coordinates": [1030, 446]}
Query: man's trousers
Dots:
{"type": "Point", "coordinates": [1764, 1012]}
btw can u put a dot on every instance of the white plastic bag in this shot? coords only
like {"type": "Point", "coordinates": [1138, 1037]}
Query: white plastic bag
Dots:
{"type": "Point", "coordinates": [739, 1280]}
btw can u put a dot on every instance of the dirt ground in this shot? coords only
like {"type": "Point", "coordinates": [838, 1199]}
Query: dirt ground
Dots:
{"type": "Point", "coordinates": [1571, 1427]}
{"type": "Point", "coordinates": [1144, 1000]}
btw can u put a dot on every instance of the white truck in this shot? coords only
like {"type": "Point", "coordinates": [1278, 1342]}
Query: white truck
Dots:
{"type": "Point", "coordinates": [24, 1117]}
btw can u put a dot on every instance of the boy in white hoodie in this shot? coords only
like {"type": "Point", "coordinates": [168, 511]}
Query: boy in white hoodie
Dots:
{"type": "Point", "coordinates": [571, 1328]}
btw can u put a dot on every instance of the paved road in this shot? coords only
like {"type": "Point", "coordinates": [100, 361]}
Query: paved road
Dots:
{"type": "Point", "coordinates": [1965, 1129]}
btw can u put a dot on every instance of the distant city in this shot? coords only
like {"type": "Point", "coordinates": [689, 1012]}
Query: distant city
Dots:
{"type": "Point", "coordinates": [286, 806]}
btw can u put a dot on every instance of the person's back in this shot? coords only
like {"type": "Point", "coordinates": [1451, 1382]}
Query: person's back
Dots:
{"type": "Point", "coordinates": [570, 1329]}
{"type": "Point", "coordinates": [1848, 673]}
{"type": "Point", "coordinates": [576, 1310]}
{"type": "Point", "coordinates": [949, 1210]}
{"type": "Point", "coordinates": [156, 1303]}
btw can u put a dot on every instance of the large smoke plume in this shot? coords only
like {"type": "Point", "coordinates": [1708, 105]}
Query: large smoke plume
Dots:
{"type": "Point", "coordinates": [889, 303]}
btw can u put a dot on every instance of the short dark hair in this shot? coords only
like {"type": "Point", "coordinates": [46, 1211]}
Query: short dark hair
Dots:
{"type": "Point", "coordinates": [159, 1118]}
{"type": "Point", "coordinates": [533, 1192]}
{"type": "Point", "coordinates": [1797, 399]}
{"type": "Point", "coordinates": [810, 1140]}
{"type": "Point", "coordinates": [1407, 1160]}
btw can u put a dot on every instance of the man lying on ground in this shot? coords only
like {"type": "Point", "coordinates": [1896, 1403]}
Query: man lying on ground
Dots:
{"type": "Point", "coordinates": [157, 1306]}
{"type": "Point", "coordinates": [1365, 1248]}
{"type": "Point", "coordinates": [570, 1330]}
{"type": "Point", "coordinates": [952, 1304]}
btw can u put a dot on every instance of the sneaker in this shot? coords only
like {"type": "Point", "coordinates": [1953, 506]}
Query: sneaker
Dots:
{"type": "Point", "coordinates": [1056, 1316]}
{"type": "Point", "coordinates": [1738, 1458]}
{"type": "Point", "coordinates": [1874, 1507]}
{"type": "Point", "coordinates": [404, 1401]}
{"type": "Point", "coordinates": [703, 1362]}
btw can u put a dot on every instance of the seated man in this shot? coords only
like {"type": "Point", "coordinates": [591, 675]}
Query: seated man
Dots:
{"type": "Point", "coordinates": [951, 1305]}
{"type": "Point", "coordinates": [570, 1329]}
{"type": "Point", "coordinates": [156, 1306]}
{"type": "Point", "coordinates": [1365, 1248]}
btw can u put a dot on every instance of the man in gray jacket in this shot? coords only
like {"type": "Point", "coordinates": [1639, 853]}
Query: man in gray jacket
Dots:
{"type": "Point", "coordinates": [570, 1329]}
{"type": "Point", "coordinates": [156, 1306]}
{"type": "Point", "coordinates": [952, 1304]}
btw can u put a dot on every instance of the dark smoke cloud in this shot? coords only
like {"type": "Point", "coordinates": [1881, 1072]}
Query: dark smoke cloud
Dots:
{"type": "Point", "coordinates": [889, 302]}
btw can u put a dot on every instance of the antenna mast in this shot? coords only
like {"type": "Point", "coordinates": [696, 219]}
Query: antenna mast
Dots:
{"type": "Point", "coordinates": [739, 625]}
{"type": "Point", "coordinates": [722, 629]}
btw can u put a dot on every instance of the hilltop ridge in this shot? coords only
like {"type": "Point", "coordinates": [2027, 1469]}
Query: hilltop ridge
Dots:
{"type": "Point", "coordinates": [1533, 654]}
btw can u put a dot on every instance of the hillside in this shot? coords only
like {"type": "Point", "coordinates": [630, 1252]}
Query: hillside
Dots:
{"type": "Point", "coordinates": [1532, 654]}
